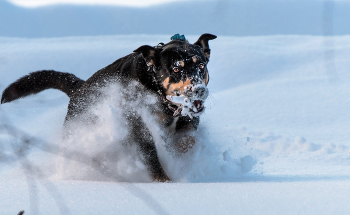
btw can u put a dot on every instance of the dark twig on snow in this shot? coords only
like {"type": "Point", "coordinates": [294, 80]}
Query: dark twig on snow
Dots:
{"type": "Point", "coordinates": [24, 142]}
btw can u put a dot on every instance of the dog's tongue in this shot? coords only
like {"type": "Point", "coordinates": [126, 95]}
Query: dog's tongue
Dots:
{"type": "Point", "coordinates": [197, 104]}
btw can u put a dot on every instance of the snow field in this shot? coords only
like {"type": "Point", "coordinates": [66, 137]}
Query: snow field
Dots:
{"type": "Point", "coordinates": [277, 112]}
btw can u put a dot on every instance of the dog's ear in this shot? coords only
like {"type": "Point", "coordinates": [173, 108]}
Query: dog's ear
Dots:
{"type": "Point", "coordinates": [148, 53]}
{"type": "Point", "coordinates": [203, 42]}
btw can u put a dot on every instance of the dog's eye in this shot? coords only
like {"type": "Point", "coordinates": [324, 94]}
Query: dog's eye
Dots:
{"type": "Point", "coordinates": [175, 69]}
{"type": "Point", "coordinates": [201, 65]}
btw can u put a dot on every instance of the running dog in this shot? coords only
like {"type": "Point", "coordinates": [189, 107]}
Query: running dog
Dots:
{"type": "Point", "coordinates": [176, 73]}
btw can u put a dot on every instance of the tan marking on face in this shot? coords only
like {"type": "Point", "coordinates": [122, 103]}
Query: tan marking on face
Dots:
{"type": "Point", "coordinates": [150, 63]}
{"type": "Point", "coordinates": [194, 58]}
{"type": "Point", "coordinates": [206, 79]}
{"type": "Point", "coordinates": [166, 83]}
{"type": "Point", "coordinates": [207, 54]}
{"type": "Point", "coordinates": [180, 86]}
{"type": "Point", "coordinates": [182, 63]}
{"type": "Point", "coordinates": [149, 59]}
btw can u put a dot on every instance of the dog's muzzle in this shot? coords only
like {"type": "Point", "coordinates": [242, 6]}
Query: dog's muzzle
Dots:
{"type": "Point", "coordinates": [191, 101]}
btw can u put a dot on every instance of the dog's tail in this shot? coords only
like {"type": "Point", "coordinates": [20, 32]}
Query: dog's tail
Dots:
{"type": "Point", "coordinates": [38, 81]}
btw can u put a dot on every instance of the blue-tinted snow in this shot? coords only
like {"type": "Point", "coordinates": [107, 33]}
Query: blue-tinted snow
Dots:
{"type": "Point", "coordinates": [273, 105]}
{"type": "Point", "coordinates": [224, 17]}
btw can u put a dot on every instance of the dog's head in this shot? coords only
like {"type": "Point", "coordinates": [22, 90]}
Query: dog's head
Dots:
{"type": "Point", "coordinates": [180, 69]}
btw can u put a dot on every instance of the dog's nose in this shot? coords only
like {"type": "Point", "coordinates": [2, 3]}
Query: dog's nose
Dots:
{"type": "Point", "coordinates": [199, 91]}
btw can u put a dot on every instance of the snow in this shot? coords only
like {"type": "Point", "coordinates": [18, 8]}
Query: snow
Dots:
{"type": "Point", "coordinates": [274, 138]}
{"type": "Point", "coordinates": [258, 197]}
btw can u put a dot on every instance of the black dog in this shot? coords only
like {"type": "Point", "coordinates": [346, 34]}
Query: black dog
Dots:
{"type": "Point", "coordinates": [176, 73]}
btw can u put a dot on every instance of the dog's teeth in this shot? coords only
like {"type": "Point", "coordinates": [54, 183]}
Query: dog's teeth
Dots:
{"type": "Point", "coordinates": [170, 98]}
{"type": "Point", "coordinates": [177, 112]}
{"type": "Point", "coordinates": [195, 109]}
{"type": "Point", "coordinates": [190, 115]}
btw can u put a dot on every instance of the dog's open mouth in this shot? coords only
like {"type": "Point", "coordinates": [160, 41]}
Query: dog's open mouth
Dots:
{"type": "Point", "coordinates": [198, 105]}
{"type": "Point", "coordinates": [187, 106]}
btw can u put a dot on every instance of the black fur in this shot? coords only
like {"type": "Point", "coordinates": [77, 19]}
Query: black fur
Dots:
{"type": "Point", "coordinates": [151, 67]}
{"type": "Point", "coordinates": [36, 82]}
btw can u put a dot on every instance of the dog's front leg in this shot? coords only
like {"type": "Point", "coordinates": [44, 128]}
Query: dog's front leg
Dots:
{"type": "Point", "coordinates": [145, 141]}
{"type": "Point", "coordinates": [150, 156]}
